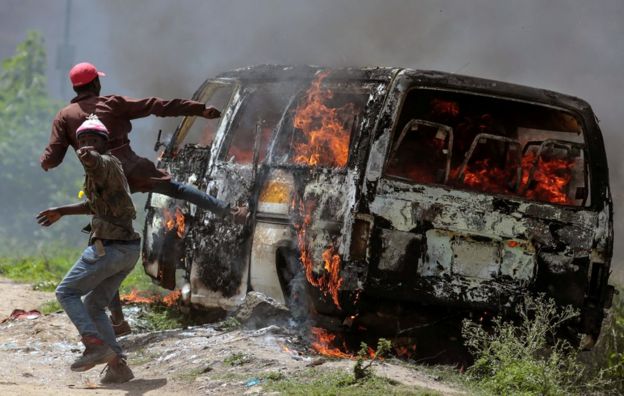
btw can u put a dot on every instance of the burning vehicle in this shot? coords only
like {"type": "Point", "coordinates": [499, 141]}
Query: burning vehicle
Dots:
{"type": "Point", "coordinates": [387, 187]}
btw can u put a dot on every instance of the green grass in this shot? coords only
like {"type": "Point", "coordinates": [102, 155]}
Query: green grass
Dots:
{"type": "Point", "coordinates": [49, 307]}
{"type": "Point", "coordinates": [316, 382]}
{"type": "Point", "coordinates": [45, 270]}
{"type": "Point", "coordinates": [237, 359]}
{"type": "Point", "coordinates": [157, 317]}
{"type": "Point", "coordinates": [527, 358]}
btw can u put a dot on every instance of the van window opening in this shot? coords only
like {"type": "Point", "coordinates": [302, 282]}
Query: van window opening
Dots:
{"type": "Point", "coordinates": [262, 108]}
{"type": "Point", "coordinates": [202, 131]}
{"type": "Point", "coordinates": [321, 124]}
{"type": "Point", "coordinates": [490, 145]}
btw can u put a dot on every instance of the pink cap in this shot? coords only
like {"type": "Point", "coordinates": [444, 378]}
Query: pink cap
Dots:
{"type": "Point", "coordinates": [83, 73]}
{"type": "Point", "coordinates": [92, 125]}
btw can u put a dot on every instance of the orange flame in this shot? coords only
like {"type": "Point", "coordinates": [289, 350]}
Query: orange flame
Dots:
{"type": "Point", "coordinates": [139, 297]}
{"type": "Point", "coordinates": [145, 297]}
{"type": "Point", "coordinates": [551, 178]}
{"type": "Point", "coordinates": [176, 221]}
{"type": "Point", "coordinates": [323, 344]}
{"type": "Point", "coordinates": [330, 281]}
{"type": "Point", "coordinates": [172, 298]}
{"type": "Point", "coordinates": [405, 352]}
{"type": "Point", "coordinates": [325, 138]}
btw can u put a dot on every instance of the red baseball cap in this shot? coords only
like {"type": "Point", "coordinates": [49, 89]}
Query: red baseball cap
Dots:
{"type": "Point", "coordinates": [83, 73]}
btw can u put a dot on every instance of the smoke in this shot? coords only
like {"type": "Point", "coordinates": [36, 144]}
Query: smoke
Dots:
{"type": "Point", "coordinates": [164, 48]}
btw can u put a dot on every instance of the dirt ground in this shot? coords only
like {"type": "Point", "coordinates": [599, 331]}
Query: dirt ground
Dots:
{"type": "Point", "coordinates": [35, 356]}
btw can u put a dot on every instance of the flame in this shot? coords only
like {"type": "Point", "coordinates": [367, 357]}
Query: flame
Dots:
{"type": "Point", "coordinates": [405, 352]}
{"type": "Point", "coordinates": [323, 344]}
{"type": "Point", "coordinates": [551, 178]}
{"type": "Point", "coordinates": [172, 298]}
{"type": "Point", "coordinates": [444, 107]}
{"type": "Point", "coordinates": [139, 297]}
{"type": "Point", "coordinates": [145, 297]}
{"type": "Point", "coordinates": [174, 221]}
{"type": "Point", "coordinates": [325, 140]}
{"type": "Point", "coordinates": [329, 282]}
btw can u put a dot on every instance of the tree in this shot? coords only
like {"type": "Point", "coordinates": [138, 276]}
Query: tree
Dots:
{"type": "Point", "coordinates": [26, 113]}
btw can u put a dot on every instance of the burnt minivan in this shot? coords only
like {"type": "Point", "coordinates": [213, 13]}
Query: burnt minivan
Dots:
{"type": "Point", "coordinates": [387, 185]}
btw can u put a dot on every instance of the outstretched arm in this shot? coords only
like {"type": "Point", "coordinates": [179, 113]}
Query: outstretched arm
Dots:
{"type": "Point", "coordinates": [139, 108]}
{"type": "Point", "coordinates": [50, 216]}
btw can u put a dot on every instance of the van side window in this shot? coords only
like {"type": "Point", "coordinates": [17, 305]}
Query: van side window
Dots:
{"type": "Point", "coordinates": [490, 145]}
{"type": "Point", "coordinates": [202, 131]}
{"type": "Point", "coordinates": [261, 110]}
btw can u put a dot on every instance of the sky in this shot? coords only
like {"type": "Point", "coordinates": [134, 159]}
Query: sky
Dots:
{"type": "Point", "coordinates": [166, 48]}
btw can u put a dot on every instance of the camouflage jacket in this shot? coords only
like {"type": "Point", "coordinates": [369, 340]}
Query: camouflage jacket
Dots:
{"type": "Point", "coordinates": [108, 196]}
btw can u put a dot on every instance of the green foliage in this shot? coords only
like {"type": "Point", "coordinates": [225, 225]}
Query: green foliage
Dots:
{"type": "Point", "coordinates": [525, 358]}
{"type": "Point", "coordinates": [157, 317]}
{"type": "Point", "coordinates": [237, 359]}
{"type": "Point", "coordinates": [43, 271]}
{"type": "Point", "coordinates": [607, 358]}
{"type": "Point", "coordinates": [26, 113]}
{"type": "Point", "coordinates": [229, 324]}
{"type": "Point", "coordinates": [317, 382]}
{"type": "Point", "coordinates": [49, 307]}
{"type": "Point", "coordinates": [361, 370]}
{"type": "Point", "coordinates": [615, 346]}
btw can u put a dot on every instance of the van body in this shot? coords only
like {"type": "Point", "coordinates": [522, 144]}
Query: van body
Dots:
{"type": "Point", "coordinates": [384, 184]}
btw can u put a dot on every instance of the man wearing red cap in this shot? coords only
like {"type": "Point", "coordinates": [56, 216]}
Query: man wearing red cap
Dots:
{"type": "Point", "coordinates": [116, 113]}
{"type": "Point", "coordinates": [113, 251]}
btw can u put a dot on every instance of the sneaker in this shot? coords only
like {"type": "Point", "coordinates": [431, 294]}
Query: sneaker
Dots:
{"type": "Point", "coordinates": [117, 372]}
{"type": "Point", "coordinates": [121, 329]}
{"type": "Point", "coordinates": [96, 352]}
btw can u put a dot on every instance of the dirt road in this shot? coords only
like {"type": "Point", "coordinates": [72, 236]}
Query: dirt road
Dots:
{"type": "Point", "coordinates": [35, 356]}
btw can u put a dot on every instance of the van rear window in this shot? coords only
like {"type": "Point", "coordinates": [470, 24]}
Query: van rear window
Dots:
{"type": "Point", "coordinates": [490, 145]}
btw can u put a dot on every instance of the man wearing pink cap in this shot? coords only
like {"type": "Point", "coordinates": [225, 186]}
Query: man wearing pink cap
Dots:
{"type": "Point", "coordinates": [113, 250]}
{"type": "Point", "coordinates": [116, 112]}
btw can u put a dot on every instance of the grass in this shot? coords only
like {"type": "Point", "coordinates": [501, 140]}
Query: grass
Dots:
{"type": "Point", "coordinates": [45, 270]}
{"type": "Point", "coordinates": [237, 359]}
{"type": "Point", "coordinates": [315, 382]}
{"type": "Point", "coordinates": [49, 307]}
{"type": "Point", "coordinates": [527, 358]}
{"type": "Point", "coordinates": [157, 317]}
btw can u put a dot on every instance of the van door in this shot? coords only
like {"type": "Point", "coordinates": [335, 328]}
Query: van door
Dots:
{"type": "Point", "coordinates": [220, 254]}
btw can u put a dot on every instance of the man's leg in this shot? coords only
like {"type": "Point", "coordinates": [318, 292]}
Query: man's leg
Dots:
{"type": "Point", "coordinates": [125, 257]}
{"type": "Point", "coordinates": [193, 195]}
{"type": "Point", "coordinates": [116, 311]}
{"type": "Point", "coordinates": [120, 326]}
{"type": "Point", "coordinates": [83, 277]}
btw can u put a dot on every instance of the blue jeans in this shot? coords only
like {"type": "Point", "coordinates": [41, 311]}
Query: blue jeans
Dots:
{"type": "Point", "coordinates": [189, 193]}
{"type": "Point", "coordinates": [96, 278]}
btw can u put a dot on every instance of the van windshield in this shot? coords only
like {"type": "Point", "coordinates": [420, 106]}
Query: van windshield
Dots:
{"type": "Point", "coordinates": [490, 145]}
{"type": "Point", "coordinates": [321, 124]}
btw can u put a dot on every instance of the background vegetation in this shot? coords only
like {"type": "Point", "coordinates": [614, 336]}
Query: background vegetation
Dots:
{"type": "Point", "coordinates": [26, 113]}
